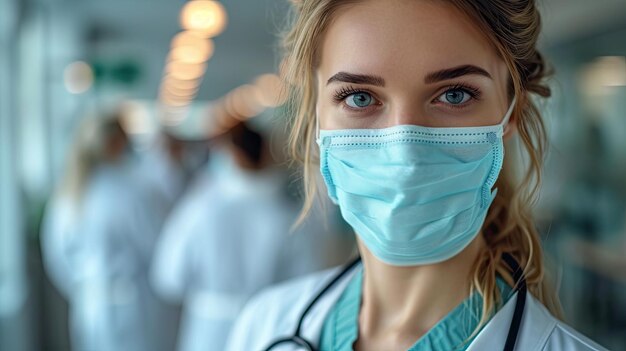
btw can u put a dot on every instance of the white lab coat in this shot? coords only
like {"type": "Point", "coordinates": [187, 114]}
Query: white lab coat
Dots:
{"type": "Point", "coordinates": [228, 238]}
{"type": "Point", "coordinates": [113, 306]}
{"type": "Point", "coordinates": [274, 313]}
{"type": "Point", "coordinates": [60, 244]}
{"type": "Point", "coordinates": [164, 179]}
{"type": "Point", "coordinates": [62, 247]}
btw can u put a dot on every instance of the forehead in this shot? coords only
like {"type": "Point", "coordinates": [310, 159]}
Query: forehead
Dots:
{"type": "Point", "coordinates": [396, 37]}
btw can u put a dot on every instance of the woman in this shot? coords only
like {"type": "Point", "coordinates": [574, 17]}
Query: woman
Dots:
{"type": "Point", "coordinates": [414, 100]}
{"type": "Point", "coordinates": [97, 241]}
{"type": "Point", "coordinates": [65, 243]}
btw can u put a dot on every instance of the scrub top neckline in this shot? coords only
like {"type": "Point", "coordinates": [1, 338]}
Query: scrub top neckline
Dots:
{"type": "Point", "coordinates": [452, 332]}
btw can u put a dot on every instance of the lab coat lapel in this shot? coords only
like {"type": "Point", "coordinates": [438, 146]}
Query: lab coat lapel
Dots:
{"type": "Point", "coordinates": [493, 335]}
{"type": "Point", "coordinates": [534, 329]}
{"type": "Point", "coordinates": [314, 321]}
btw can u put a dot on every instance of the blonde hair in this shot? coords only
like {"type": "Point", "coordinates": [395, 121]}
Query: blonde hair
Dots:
{"type": "Point", "coordinates": [512, 27]}
{"type": "Point", "coordinates": [87, 152]}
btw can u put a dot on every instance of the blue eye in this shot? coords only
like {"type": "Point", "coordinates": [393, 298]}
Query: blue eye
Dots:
{"type": "Point", "coordinates": [359, 100]}
{"type": "Point", "coordinates": [455, 96]}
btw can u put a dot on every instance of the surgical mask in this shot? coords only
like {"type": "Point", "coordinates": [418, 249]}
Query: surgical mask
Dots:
{"type": "Point", "coordinates": [414, 195]}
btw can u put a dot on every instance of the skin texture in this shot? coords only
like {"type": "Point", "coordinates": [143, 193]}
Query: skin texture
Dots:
{"type": "Point", "coordinates": [401, 42]}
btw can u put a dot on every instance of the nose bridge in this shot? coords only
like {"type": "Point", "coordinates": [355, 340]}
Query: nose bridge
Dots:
{"type": "Point", "coordinates": [407, 111]}
{"type": "Point", "coordinates": [401, 118]}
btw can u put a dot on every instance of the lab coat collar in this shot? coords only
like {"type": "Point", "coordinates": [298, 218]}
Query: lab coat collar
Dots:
{"type": "Point", "coordinates": [535, 328]}
{"type": "Point", "coordinates": [314, 321]}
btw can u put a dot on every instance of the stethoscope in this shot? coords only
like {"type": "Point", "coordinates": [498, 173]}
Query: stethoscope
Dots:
{"type": "Point", "coordinates": [298, 340]}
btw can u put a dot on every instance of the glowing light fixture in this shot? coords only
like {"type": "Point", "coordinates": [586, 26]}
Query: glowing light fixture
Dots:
{"type": "Point", "coordinates": [191, 54]}
{"type": "Point", "coordinates": [205, 17]}
{"type": "Point", "coordinates": [78, 77]}
{"type": "Point", "coordinates": [189, 48]}
{"type": "Point", "coordinates": [185, 71]}
{"type": "Point", "coordinates": [184, 84]}
{"type": "Point", "coordinates": [174, 101]}
{"type": "Point", "coordinates": [175, 91]}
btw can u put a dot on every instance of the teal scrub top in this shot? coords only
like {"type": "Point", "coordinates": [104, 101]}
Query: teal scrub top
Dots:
{"type": "Point", "coordinates": [341, 328]}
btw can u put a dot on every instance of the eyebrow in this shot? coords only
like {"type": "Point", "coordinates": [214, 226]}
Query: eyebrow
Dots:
{"type": "Point", "coordinates": [455, 72]}
{"type": "Point", "coordinates": [357, 79]}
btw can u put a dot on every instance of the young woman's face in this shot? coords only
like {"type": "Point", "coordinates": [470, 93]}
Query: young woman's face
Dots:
{"type": "Point", "coordinates": [394, 62]}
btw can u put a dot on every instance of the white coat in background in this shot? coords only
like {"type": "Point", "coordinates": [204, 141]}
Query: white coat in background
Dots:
{"type": "Point", "coordinates": [60, 243]}
{"type": "Point", "coordinates": [62, 247]}
{"type": "Point", "coordinates": [228, 238]}
{"type": "Point", "coordinates": [164, 179]}
{"type": "Point", "coordinates": [113, 305]}
{"type": "Point", "coordinates": [163, 182]}
{"type": "Point", "coordinates": [274, 314]}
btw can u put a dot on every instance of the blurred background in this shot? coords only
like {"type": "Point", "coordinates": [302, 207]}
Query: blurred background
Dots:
{"type": "Point", "coordinates": [158, 123]}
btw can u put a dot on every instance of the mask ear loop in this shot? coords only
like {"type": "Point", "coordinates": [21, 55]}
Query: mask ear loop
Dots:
{"type": "Point", "coordinates": [317, 128]}
{"type": "Point", "coordinates": [509, 112]}
{"type": "Point", "coordinates": [488, 194]}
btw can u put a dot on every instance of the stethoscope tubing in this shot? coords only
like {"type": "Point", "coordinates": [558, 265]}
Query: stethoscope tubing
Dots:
{"type": "Point", "coordinates": [511, 338]}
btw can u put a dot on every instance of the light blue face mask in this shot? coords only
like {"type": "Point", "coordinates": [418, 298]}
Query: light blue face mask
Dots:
{"type": "Point", "coordinates": [414, 195]}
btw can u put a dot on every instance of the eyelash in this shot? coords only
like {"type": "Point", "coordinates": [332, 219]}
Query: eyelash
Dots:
{"type": "Point", "coordinates": [344, 92]}
{"type": "Point", "coordinates": [473, 92]}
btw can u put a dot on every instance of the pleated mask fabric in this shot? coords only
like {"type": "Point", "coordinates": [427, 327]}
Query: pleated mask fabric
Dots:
{"type": "Point", "coordinates": [414, 195]}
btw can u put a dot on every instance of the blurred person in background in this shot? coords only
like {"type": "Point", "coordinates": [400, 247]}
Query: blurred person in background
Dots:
{"type": "Point", "coordinates": [98, 237]}
{"type": "Point", "coordinates": [162, 167]}
{"type": "Point", "coordinates": [171, 162]}
{"type": "Point", "coordinates": [165, 169]}
{"type": "Point", "coordinates": [229, 237]}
